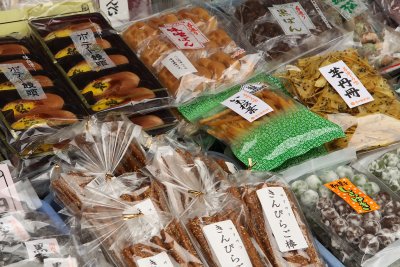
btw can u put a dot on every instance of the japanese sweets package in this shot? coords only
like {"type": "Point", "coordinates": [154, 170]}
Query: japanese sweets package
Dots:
{"type": "Point", "coordinates": [103, 70]}
{"type": "Point", "coordinates": [272, 135]}
{"type": "Point", "coordinates": [275, 220]}
{"type": "Point", "coordinates": [353, 214]}
{"type": "Point", "coordinates": [340, 85]}
{"type": "Point", "coordinates": [193, 50]}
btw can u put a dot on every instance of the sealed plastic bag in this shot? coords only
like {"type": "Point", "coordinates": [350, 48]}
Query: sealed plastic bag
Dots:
{"type": "Point", "coordinates": [193, 50]}
{"type": "Point", "coordinates": [284, 238]}
{"type": "Point", "coordinates": [287, 131]}
{"type": "Point", "coordinates": [390, 8]}
{"type": "Point", "coordinates": [361, 101]}
{"type": "Point", "coordinates": [353, 214]}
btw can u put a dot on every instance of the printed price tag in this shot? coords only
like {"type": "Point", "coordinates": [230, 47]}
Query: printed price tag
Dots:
{"type": "Point", "coordinates": [289, 20]}
{"type": "Point", "coordinates": [279, 214]}
{"type": "Point", "coordinates": [247, 105]}
{"type": "Point", "coordinates": [145, 207]}
{"type": "Point", "coordinates": [346, 83]}
{"type": "Point", "coordinates": [225, 242]}
{"type": "Point", "coordinates": [85, 43]}
{"type": "Point", "coordinates": [60, 262]}
{"type": "Point", "coordinates": [178, 64]}
{"type": "Point", "coordinates": [159, 260]}
{"type": "Point", "coordinates": [9, 198]}
{"type": "Point", "coordinates": [348, 8]}
{"type": "Point", "coordinates": [356, 198]}
{"type": "Point", "coordinates": [253, 88]}
{"type": "Point", "coordinates": [27, 87]}
{"type": "Point", "coordinates": [117, 11]}
{"type": "Point", "coordinates": [42, 248]}
{"type": "Point", "coordinates": [11, 228]}
{"type": "Point", "coordinates": [185, 34]}
{"type": "Point", "coordinates": [302, 14]}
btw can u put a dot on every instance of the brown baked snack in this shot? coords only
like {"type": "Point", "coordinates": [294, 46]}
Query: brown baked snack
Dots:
{"type": "Point", "coordinates": [43, 80]}
{"type": "Point", "coordinates": [83, 66]}
{"type": "Point", "coordinates": [44, 117]}
{"type": "Point", "coordinates": [13, 49]}
{"type": "Point", "coordinates": [147, 121]}
{"type": "Point", "coordinates": [66, 31]}
{"type": "Point", "coordinates": [71, 50]}
{"type": "Point", "coordinates": [29, 64]}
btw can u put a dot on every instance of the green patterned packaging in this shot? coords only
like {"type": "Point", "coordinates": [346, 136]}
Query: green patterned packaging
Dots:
{"type": "Point", "coordinates": [289, 131]}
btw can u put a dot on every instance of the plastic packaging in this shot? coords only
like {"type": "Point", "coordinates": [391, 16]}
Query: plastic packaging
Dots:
{"type": "Point", "coordinates": [358, 238]}
{"type": "Point", "coordinates": [193, 50]}
{"type": "Point", "coordinates": [290, 130]}
{"type": "Point", "coordinates": [103, 70]}
{"type": "Point", "coordinates": [390, 8]}
{"type": "Point", "coordinates": [369, 116]}
{"type": "Point", "coordinates": [253, 191]}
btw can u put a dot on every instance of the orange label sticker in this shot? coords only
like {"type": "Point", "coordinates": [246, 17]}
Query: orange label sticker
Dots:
{"type": "Point", "coordinates": [357, 199]}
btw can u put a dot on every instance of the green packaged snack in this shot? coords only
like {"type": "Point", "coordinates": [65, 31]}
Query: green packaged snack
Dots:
{"type": "Point", "coordinates": [287, 131]}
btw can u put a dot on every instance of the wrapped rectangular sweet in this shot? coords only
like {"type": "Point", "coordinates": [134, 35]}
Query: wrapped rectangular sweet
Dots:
{"type": "Point", "coordinates": [104, 71]}
{"type": "Point", "coordinates": [275, 235]}
{"type": "Point", "coordinates": [273, 137]}
{"type": "Point", "coordinates": [353, 214]}
{"type": "Point", "coordinates": [193, 50]}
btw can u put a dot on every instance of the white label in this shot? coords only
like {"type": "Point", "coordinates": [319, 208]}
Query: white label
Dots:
{"type": "Point", "coordinates": [117, 11]}
{"type": "Point", "coordinates": [145, 207]}
{"type": "Point", "coordinates": [247, 105]}
{"type": "Point", "coordinates": [9, 198]}
{"type": "Point", "coordinates": [11, 228]}
{"type": "Point", "coordinates": [289, 20]}
{"type": "Point", "coordinates": [348, 8]}
{"type": "Point", "coordinates": [60, 262]}
{"type": "Point", "coordinates": [346, 83]}
{"type": "Point", "coordinates": [27, 87]}
{"type": "Point", "coordinates": [279, 213]}
{"type": "Point", "coordinates": [185, 34]}
{"type": "Point", "coordinates": [85, 43]}
{"type": "Point", "coordinates": [253, 87]}
{"type": "Point", "coordinates": [178, 64]}
{"type": "Point", "coordinates": [159, 260]}
{"type": "Point", "coordinates": [225, 242]}
{"type": "Point", "coordinates": [98, 181]}
{"type": "Point", "coordinates": [300, 12]}
{"type": "Point", "coordinates": [42, 248]}
{"type": "Point", "coordinates": [397, 29]}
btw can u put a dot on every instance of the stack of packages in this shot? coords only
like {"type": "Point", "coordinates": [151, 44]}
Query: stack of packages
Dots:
{"type": "Point", "coordinates": [127, 116]}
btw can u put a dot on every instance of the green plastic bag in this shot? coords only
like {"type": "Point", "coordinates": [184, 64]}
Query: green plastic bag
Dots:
{"type": "Point", "coordinates": [289, 131]}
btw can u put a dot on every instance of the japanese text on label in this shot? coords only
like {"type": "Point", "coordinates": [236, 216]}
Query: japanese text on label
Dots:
{"type": "Point", "coordinates": [346, 83]}
{"type": "Point", "coordinates": [178, 64]}
{"type": "Point", "coordinates": [289, 20]}
{"type": "Point", "coordinates": [60, 262]}
{"type": "Point", "coordinates": [28, 88]}
{"type": "Point", "coordinates": [85, 43]}
{"type": "Point", "coordinates": [11, 228]}
{"type": "Point", "coordinates": [300, 12]}
{"type": "Point", "coordinates": [159, 260]}
{"type": "Point", "coordinates": [42, 248]}
{"type": "Point", "coordinates": [184, 34]}
{"type": "Point", "coordinates": [253, 87]}
{"type": "Point", "coordinates": [349, 8]}
{"type": "Point", "coordinates": [247, 105]}
{"type": "Point", "coordinates": [279, 214]}
{"type": "Point", "coordinates": [9, 198]}
{"type": "Point", "coordinates": [225, 242]}
{"type": "Point", "coordinates": [116, 10]}
{"type": "Point", "coordinates": [145, 207]}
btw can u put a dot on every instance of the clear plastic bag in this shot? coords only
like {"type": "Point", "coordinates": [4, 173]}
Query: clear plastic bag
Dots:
{"type": "Point", "coordinates": [252, 190]}
{"type": "Point", "coordinates": [193, 50]}
{"type": "Point", "coordinates": [390, 8]}
{"type": "Point", "coordinates": [359, 238]}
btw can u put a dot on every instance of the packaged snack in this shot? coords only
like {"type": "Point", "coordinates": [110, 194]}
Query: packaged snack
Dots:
{"type": "Point", "coordinates": [104, 71]}
{"type": "Point", "coordinates": [284, 238]}
{"type": "Point", "coordinates": [193, 50]}
{"type": "Point", "coordinates": [283, 29]}
{"type": "Point", "coordinates": [391, 8]}
{"type": "Point", "coordinates": [287, 131]}
{"type": "Point", "coordinates": [353, 214]}
{"type": "Point", "coordinates": [361, 101]}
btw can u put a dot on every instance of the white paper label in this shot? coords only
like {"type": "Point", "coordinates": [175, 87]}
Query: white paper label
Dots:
{"type": "Point", "coordinates": [42, 247]}
{"type": "Point", "coordinates": [346, 83]}
{"type": "Point", "coordinates": [300, 12]}
{"type": "Point", "coordinates": [348, 8]}
{"type": "Point", "coordinates": [289, 20]}
{"type": "Point", "coordinates": [145, 207]}
{"type": "Point", "coordinates": [60, 262]}
{"type": "Point", "coordinates": [159, 260]}
{"type": "Point", "coordinates": [11, 228]}
{"type": "Point", "coordinates": [9, 198]}
{"type": "Point", "coordinates": [279, 213]}
{"type": "Point", "coordinates": [247, 105]}
{"type": "Point", "coordinates": [185, 34]}
{"type": "Point", "coordinates": [253, 88]}
{"type": "Point", "coordinates": [226, 244]}
{"type": "Point", "coordinates": [117, 11]}
{"type": "Point", "coordinates": [27, 87]}
{"type": "Point", "coordinates": [178, 64]}
{"type": "Point", "coordinates": [85, 43]}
